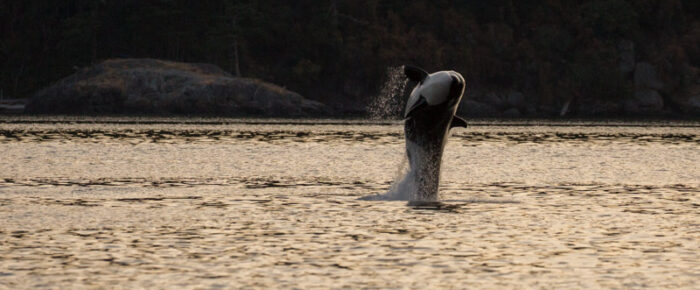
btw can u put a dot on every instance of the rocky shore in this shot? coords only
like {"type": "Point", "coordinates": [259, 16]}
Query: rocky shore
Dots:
{"type": "Point", "coordinates": [149, 86]}
{"type": "Point", "coordinates": [651, 95]}
{"type": "Point", "coordinates": [12, 106]}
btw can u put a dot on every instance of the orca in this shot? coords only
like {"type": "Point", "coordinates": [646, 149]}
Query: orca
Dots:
{"type": "Point", "coordinates": [429, 116]}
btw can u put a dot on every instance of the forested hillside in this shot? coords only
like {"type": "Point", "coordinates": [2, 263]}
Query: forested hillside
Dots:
{"type": "Point", "coordinates": [338, 51]}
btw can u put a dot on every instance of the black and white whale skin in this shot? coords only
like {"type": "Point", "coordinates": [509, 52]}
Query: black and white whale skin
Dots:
{"type": "Point", "coordinates": [429, 116]}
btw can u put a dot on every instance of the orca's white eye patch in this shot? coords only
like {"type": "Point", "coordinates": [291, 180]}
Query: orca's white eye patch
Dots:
{"type": "Point", "coordinates": [435, 88]}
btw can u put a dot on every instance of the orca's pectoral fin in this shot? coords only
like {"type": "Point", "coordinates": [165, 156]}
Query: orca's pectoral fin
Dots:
{"type": "Point", "coordinates": [415, 73]}
{"type": "Point", "coordinates": [458, 122]}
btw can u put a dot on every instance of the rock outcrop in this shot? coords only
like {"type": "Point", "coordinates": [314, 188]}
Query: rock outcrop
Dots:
{"type": "Point", "coordinates": [645, 77]}
{"type": "Point", "coordinates": [474, 109]}
{"type": "Point", "coordinates": [509, 104]}
{"type": "Point", "coordinates": [644, 101]}
{"type": "Point", "coordinates": [143, 86]}
{"type": "Point", "coordinates": [626, 52]}
{"type": "Point", "coordinates": [689, 101]}
{"type": "Point", "coordinates": [646, 98]}
{"type": "Point", "coordinates": [12, 106]}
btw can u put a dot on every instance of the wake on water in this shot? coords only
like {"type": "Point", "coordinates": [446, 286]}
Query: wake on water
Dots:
{"type": "Point", "coordinates": [406, 184]}
{"type": "Point", "coordinates": [403, 186]}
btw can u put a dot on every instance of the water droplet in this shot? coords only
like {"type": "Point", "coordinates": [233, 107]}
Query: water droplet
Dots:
{"type": "Point", "coordinates": [389, 103]}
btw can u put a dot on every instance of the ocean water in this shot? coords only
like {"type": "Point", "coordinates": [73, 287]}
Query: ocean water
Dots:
{"type": "Point", "coordinates": [218, 203]}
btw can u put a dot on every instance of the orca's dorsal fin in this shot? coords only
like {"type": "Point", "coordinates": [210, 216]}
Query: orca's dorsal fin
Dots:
{"type": "Point", "coordinates": [458, 122]}
{"type": "Point", "coordinates": [415, 73]}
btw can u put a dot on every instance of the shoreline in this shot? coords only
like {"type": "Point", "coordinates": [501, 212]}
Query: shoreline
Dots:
{"type": "Point", "coordinates": [341, 120]}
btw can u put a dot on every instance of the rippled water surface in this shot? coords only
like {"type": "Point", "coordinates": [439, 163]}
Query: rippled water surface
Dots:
{"type": "Point", "coordinates": [212, 203]}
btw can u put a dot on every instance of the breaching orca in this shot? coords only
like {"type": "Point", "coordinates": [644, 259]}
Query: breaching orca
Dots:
{"type": "Point", "coordinates": [429, 116]}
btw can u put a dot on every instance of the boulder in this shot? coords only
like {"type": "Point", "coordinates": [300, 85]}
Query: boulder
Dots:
{"type": "Point", "coordinates": [12, 105]}
{"type": "Point", "coordinates": [592, 108]}
{"type": "Point", "coordinates": [142, 86]}
{"type": "Point", "coordinates": [645, 101]}
{"type": "Point", "coordinates": [645, 77]}
{"type": "Point", "coordinates": [548, 110]}
{"type": "Point", "coordinates": [470, 108]}
{"type": "Point", "coordinates": [516, 100]}
{"type": "Point", "coordinates": [511, 113]}
{"type": "Point", "coordinates": [492, 99]}
{"type": "Point", "coordinates": [689, 101]}
{"type": "Point", "coordinates": [625, 50]}
{"type": "Point", "coordinates": [504, 101]}
{"type": "Point", "coordinates": [693, 104]}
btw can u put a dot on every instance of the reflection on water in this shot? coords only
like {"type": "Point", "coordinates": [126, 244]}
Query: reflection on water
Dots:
{"type": "Point", "coordinates": [307, 133]}
{"type": "Point", "coordinates": [273, 203]}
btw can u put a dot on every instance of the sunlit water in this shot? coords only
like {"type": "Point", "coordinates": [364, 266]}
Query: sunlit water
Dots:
{"type": "Point", "coordinates": [216, 203]}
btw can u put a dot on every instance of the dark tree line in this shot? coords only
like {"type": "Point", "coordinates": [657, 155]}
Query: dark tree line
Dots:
{"type": "Point", "coordinates": [337, 51]}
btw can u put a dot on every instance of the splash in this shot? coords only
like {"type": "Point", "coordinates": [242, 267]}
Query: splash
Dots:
{"type": "Point", "coordinates": [409, 184]}
{"type": "Point", "coordinates": [389, 103]}
{"type": "Point", "coordinates": [411, 179]}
